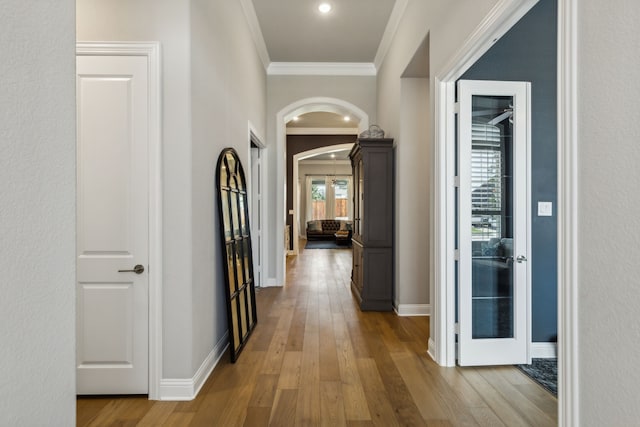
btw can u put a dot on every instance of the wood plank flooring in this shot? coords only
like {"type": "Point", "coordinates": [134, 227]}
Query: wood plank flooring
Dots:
{"type": "Point", "coordinates": [316, 360]}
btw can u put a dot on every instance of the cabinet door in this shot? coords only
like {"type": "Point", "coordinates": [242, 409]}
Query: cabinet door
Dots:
{"type": "Point", "coordinates": [378, 198]}
{"type": "Point", "coordinates": [357, 266]}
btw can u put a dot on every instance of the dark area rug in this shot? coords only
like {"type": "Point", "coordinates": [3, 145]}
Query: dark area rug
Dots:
{"type": "Point", "coordinates": [544, 372]}
{"type": "Point", "coordinates": [325, 244]}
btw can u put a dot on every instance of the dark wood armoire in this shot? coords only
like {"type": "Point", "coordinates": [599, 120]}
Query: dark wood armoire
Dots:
{"type": "Point", "coordinates": [373, 177]}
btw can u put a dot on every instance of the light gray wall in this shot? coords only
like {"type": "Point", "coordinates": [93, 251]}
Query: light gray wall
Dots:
{"type": "Point", "coordinates": [213, 85]}
{"type": "Point", "coordinates": [228, 89]}
{"type": "Point", "coordinates": [609, 211]}
{"type": "Point", "coordinates": [412, 181]}
{"type": "Point", "coordinates": [448, 24]}
{"type": "Point", "coordinates": [37, 213]}
{"type": "Point", "coordinates": [283, 91]}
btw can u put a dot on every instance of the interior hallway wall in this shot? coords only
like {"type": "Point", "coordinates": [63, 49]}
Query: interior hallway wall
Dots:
{"type": "Point", "coordinates": [609, 211]}
{"type": "Point", "coordinates": [37, 213]}
{"type": "Point", "coordinates": [412, 183]}
{"type": "Point", "coordinates": [213, 85]}
{"type": "Point", "coordinates": [447, 24]}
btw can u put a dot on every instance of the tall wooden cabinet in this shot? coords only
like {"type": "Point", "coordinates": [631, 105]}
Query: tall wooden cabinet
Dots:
{"type": "Point", "coordinates": [373, 177]}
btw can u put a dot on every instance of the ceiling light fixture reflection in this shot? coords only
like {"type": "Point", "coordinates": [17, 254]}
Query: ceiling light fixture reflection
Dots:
{"type": "Point", "coordinates": [324, 8]}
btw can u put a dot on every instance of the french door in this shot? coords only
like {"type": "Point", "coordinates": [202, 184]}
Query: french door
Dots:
{"type": "Point", "coordinates": [493, 222]}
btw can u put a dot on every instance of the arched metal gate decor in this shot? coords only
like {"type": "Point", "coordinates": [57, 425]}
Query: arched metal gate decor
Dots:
{"type": "Point", "coordinates": [233, 215]}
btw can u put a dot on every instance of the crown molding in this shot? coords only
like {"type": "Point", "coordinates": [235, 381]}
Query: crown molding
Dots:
{"type": "Point", "coordinates": [322, 131]}
{"type": "Point", "coordinates": [390, 31]}
{"type": "Point", "coordinates": [256, 32]}
{"type": "Point", "coordinates": [321, 69]}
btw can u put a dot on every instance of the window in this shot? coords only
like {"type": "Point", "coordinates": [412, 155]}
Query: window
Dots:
{"type": "Point", "coordinates": [486, 182]}
{"type": "Point", "coordinates": [318, 198]}
{"type": "Point", "coordinates": [341, 198]}
{"type": "Point", "coordinates": [328, 197]}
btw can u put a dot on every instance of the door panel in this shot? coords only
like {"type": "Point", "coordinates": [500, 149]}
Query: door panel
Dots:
{"type": "Point", "coordinates": [112, 231]}
{"type": "Point", "coordinates": [493, 222]}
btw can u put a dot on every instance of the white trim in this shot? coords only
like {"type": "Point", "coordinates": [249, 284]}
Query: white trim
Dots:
{"type": "Point", "coordinates": [326, 104]}
{"type": "Point", "coordinates": [321, 69]}
{"type": "Point", "coordinates": [255, 138]}
{"type": "Point", "coordinates": [413, 310]}
{"type": "Point", "coordinates": [544, 350]}
{"type": "Point", "coordinates": [270, 282]}
{"type": "Point", "coordinates": [499, 20]}
{"type": "Point", "coordinates": [568, 339]}
{"type": "Point", "coordinates": [152, 51]}
{"type": "Point", "coordinates": [188, 388]}
{"type": "Point", "coordinates": [390, 31]}
{"type": "Point", "coordinates": [256, 32]}
{"type": "Point", "coordinates": [299, 157]}
{"type": "Point", "coordinates": [322, 131]}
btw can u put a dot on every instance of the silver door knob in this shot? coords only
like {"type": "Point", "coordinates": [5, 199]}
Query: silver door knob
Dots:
{"type": "Point", "coordinates": [521, 258]}
{"type": "Point", "coordinates": [138, 269]}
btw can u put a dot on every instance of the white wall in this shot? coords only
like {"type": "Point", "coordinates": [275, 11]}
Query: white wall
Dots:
{"type": "Point", "coordinates": [281, 92]}
{"type": "Point", "coordinates": [448, 25]}
{"type": "Point", "coordinates": [213, 84]}
{"type": "Point", "coordinates": [37, 213]}
{"type": "Point", "coordinates": [609, 216]}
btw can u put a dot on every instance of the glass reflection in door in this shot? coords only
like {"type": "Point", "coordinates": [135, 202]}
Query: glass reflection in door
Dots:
{"type": "Point", "coordinates": [492, 217]}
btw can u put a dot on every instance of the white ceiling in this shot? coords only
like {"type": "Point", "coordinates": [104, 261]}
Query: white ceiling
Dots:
{"type": "Point", "coordinates": [295, 31]}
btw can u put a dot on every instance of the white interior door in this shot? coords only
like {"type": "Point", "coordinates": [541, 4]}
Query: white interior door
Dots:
{"type": "Point", "coordinates": [113, 228]}
{"type": "Point", "coordinates": [493, 223]}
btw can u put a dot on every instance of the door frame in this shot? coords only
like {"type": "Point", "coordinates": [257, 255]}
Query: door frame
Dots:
{"type": "Point", "coordinates": [296, 193]}
{"type": "Point", "coordinates": [259, 145]}
{"type": "Point", "coordinates": [150, 50]}
{"type": "Point", "coordinates": [441, 345]}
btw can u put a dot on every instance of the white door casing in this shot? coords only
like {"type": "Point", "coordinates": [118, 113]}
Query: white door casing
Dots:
{"type": "Point", "coordinates": [474, 347]}
{"type": "Point", "coordinates": [118, 219]}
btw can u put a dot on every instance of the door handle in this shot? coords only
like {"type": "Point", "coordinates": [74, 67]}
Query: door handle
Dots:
{"type": "Point", "coordinates": [521, 258]}
{"type": "Point", "coordinates": [138, 269]}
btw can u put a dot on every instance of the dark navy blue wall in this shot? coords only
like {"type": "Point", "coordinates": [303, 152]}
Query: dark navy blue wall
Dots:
{"type": "Point", "coordinates": [528, 53]}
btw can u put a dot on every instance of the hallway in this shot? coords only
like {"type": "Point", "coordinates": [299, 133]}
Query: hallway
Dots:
{"type": "Point", "coordinates": [316, 359]}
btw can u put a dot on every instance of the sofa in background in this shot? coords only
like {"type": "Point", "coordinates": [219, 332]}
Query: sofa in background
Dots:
{"type": "Point", "coordinates": [325, 229]}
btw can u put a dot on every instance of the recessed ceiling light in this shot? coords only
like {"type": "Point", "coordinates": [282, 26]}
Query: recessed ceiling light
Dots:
{"type": "Point", "coordinates": [347, 118]}
{"type": "Point", "coordinates": [324, 8]}
{"type": "Point", "coordinates": [295, 118]}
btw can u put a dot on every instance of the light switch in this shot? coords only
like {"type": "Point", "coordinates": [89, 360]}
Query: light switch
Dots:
{"type": "Point", "coordinates": [545, 209]}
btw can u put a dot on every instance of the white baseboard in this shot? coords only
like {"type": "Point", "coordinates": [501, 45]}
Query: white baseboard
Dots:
{"type": "Point", "coordinates": [431, 349]}
{"type": "Point", "coordinates": [544, 350]}
{"type": "Point", "coordinates": [413, 310]}
{"type": "Point", "coordinates": [269, 282]}
{"type": "Point", "coordinates": [188, 388]}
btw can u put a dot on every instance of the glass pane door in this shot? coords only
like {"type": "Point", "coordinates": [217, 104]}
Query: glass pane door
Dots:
{"type": "Point", "coordinates": [493, 222]}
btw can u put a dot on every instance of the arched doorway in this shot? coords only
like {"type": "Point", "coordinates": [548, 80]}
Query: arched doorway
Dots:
{"type": "Point", "coordinates": [307, 105]}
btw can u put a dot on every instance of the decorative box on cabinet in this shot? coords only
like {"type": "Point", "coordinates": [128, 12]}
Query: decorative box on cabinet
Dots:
{"type": "Point", "coordinates": [373, 176]}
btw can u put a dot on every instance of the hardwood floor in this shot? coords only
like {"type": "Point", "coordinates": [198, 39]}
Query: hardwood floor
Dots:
{"type": "Point", "coordinates": [315, 359]}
